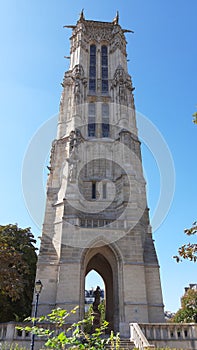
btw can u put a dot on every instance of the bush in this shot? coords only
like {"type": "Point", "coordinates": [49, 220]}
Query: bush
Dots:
{"type": "Point", "coordinates": [74, 337]}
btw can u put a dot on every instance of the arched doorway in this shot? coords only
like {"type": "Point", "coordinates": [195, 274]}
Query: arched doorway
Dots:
{"type": "Point", "coordinates": [92, 280]}
{"type": "Point", "coordinates": [104, 261]}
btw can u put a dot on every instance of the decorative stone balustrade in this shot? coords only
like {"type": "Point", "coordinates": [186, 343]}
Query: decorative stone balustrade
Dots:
{"type": "Point", "coordinates": [10, 335]}
{"type": "Point", "coordinates": [172, 335]}
{"type": "Point", "coordinates": [144, 336]}
{"type": "Point", "coordinates": [138, 337]}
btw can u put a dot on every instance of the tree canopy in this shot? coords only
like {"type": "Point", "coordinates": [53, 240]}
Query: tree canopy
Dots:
{"type": "Point", "coordinates": [188, 311]}
{"type": "Point", "coordinates": [17, 272]}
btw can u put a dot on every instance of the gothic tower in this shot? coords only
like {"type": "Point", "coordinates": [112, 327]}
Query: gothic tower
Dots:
{"type": "Point", "coordinates": [96, 214]}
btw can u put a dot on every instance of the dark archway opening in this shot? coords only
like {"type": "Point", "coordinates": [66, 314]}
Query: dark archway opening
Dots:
{"type": "Point", "coordinates": [101, 265]}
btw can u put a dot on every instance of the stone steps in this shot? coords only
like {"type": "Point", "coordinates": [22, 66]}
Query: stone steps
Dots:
{"type": "Point", "coordinates": [125, 344]}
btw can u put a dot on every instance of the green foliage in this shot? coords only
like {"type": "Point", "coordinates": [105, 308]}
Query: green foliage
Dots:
{"type": "Point", "coordinates": [73, 336]}
{"type": "Point", "coordinates": [89, 320]}
{"type": "Point", "coordinates": [114, 341]}
{"type": "Point", "coordinates": [188, 251]}
{"type": "Point", "coordinates": [89, 317]}
{"type": "Point", "coordinates": [17, 272]}
{"type": "Point", "coordinates": [195, 118]}
{"type": "Point", "coordinates": [188, 311]}
{"type": "Point", "coordinates": [101, 308]}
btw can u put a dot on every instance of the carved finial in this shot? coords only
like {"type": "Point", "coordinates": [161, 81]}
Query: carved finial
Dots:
{"type": "Point", "coordinates": [82, 15]}
{"type": "Point", "coordinates": [116, 19]}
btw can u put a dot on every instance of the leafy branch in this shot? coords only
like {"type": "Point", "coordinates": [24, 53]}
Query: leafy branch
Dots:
{"type": "Point", "coordinates": [58, 334]}
{"type": "Point", "coordinates": [188, 251]}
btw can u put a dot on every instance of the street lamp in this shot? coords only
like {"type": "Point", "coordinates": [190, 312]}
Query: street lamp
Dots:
{"type": "Point", "coordinates": [38, 288]}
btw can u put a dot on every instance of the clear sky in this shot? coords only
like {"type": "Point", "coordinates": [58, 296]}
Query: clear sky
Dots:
{"type": "Point", "coordinates": [162, 62]}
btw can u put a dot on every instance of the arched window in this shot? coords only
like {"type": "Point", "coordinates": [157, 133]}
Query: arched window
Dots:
{"type": "Point", "coordinates": [105, 120]}
{"type": "Point", "coordinates": [104, 68]}
{"type": "Point", "coordinates": [92, 69]}
{"type": "Point", "coordinates": [91, 120]}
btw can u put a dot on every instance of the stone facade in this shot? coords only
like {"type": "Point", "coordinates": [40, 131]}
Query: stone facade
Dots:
{"type": "Point", "coordinates": [96, 214]}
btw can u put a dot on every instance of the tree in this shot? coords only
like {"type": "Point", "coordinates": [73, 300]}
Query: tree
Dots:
{"type": "Point", "coordinates": [188, 311]}
{"type": "Point", "coordinates": [188, 251]}
{"type": "Point", "coordinates": [17, 272]}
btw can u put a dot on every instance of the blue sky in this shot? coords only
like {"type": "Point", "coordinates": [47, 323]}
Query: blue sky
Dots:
{"type": "Point", "coordinates": [162, 62]}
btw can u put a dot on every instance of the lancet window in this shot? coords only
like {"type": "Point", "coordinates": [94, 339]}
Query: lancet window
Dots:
{"type": "Point", "coordinates": [92, 69]}
{"type": "Point", "coordinates": [104, 68]}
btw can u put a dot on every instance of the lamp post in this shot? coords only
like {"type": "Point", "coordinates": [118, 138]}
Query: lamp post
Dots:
{"type": "Point", "coordinates": [38, 288]}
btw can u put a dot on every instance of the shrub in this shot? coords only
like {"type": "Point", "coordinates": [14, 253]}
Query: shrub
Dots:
{"type": "Point", "coordinates": [74, 337]}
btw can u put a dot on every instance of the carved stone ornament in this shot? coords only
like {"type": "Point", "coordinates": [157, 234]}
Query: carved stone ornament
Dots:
{"type": "Point", "coordinates": [75, 138]}
{"type": "Point", "coordinates": [118, 43]}
{"type": "Point", "coordinates": [77, 91]}
{"type": "Point", "coordinates": [67, 79]}
{"type": "Point", "coordinates": [79, 80]}
{"type": "Point", "coordinates": [78, 72]}
{"type": "Point", "coordinates": [98, 34]}
{"type": "Point", "coordinates": [52, 156]}
{"type": "Point", "coordinates": [122, 78]}
{"type": "Point", "coordinates": [119, 75]}
{"type": "Point", "coordinates": [72, 163]}
{"type": "Point", "coordinates": [78, 43]}
{"type": "Point", "coordinates": [79, 28]}
{"type": "Point", "coordinates": [78, 76]}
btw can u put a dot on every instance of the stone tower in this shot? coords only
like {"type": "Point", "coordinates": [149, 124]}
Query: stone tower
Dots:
{"type": "Point", "coordinates": [96, 214]}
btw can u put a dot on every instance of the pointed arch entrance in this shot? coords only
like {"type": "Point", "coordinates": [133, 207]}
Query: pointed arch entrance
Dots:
{"type": "Point", "coordinates": [104, 260]}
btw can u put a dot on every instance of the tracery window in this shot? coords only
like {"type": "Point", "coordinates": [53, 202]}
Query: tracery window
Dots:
{"type": "Point", "coordinates": [104, 69]}
{"type": "Point", "coordinates": [92, 69]}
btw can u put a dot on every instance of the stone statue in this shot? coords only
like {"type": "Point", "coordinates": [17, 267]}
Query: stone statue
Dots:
{"type": "Point", "coordinates": [75, 138]}
{"type": "Point", "coordinates": [97, 295]}
{"type": "Point", "coordinates": [96, 313]}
